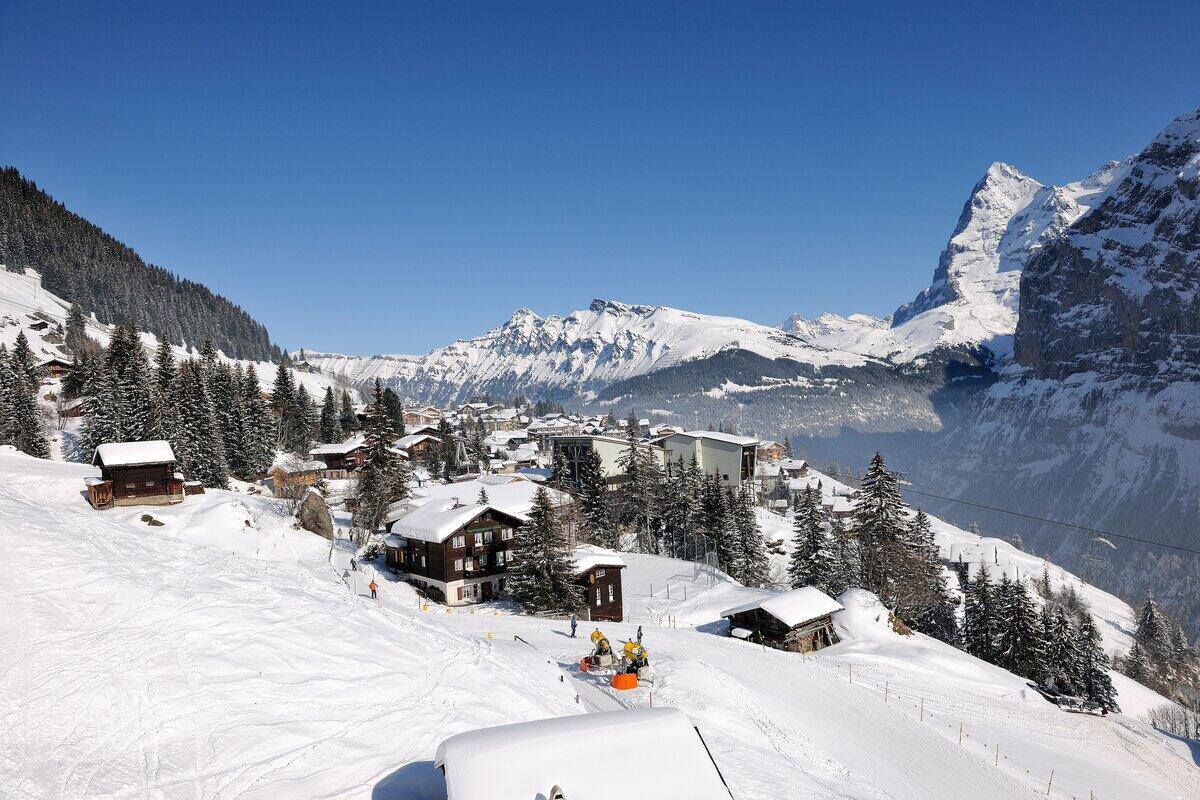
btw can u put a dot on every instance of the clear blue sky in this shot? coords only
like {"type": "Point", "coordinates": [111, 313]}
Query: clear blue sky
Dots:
{"type": "Point", "coordinates": [388, 178]}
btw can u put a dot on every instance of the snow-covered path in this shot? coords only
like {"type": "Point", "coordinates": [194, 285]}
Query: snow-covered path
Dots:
{"type": "Point", "coordinates": [220, 656]}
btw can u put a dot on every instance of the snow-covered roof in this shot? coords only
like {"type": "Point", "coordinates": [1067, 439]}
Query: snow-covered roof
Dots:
{"type": "Point", "coordinates": [339, 448]}
{"type": "Point", "coordinates": [392, 540]}
{"type": "Point", "coordinates": [405, 442]}
{"type": "Point", "coordinates": [437, 520]}
{"type": "Point", "coordinates": [132, 454]}
{"type": "Point", "coordinates": [655, 751]}
{"type": "Point", "coordinates": [792, 608]}
{"type": "Point", "coordinates": [587, 557]}
{"type": "Point", "coordinates": [511, 494]}
{"type": "Point", "coordinates": [717, 436]}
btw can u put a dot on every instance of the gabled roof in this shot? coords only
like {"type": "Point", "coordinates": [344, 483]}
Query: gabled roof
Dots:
{"type": "Point", "coordinates": [339, 448]}
{"type": "Point", "coordinates": [405, 442]}
{"type": "Point", "coordinates": [437, 520]}
{"type": "Point", "coordinates": [658, 753]}
{"type": "Point", "coordinates": [134, 454]}
{"type": "Point", "coordinates": [792, 608]}
{"type": "Point", "coordinates": [585, 558]}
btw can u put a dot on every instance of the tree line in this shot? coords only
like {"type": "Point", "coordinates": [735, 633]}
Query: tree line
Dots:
{"type": "Point", "coordinates": [21, 423]}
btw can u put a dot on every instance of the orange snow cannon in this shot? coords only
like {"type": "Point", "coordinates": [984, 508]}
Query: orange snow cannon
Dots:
{"type": "Point", "coordinates": [624, 680]}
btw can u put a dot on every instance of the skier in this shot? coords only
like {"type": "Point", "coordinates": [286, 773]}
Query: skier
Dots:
{"type": "Point", "coordinates": [373, 587]}
{"type": "Point", "coordinates": [574, 624]}
{"type": "Point", "coordinates": [639, 634]}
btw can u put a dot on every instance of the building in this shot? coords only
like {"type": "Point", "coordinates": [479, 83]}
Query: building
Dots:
{"type": "Point", "coordinates": [55, 368]}
{"type": "Point", "coordinates": [425, 415]}
{"type": "Point", "coordinates": [415, 444]}
{"type": "Point", "coordinates": [135, 474]}
{"type": "Point", "coordinates": [611, 450]}
{"type": "Point", "coordinates": [799, 621]}
{"type": "Point", "coordinates": [456, 553]}
{"type": "Point", "coordinates": [289, 475]}
{"type": "Point", "coordinates": [342, 457]}
{"type": "Point", "coordinates": [731, 457]}
{"type": "Point", "coordinates": [598, 571]}
{"type": "Point", "coordinates": [770, 451]}
{"type": "Point", "coordinates": [657, 753]}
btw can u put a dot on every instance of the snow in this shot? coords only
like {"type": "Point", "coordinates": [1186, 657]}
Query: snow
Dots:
{"type": "Point", "coordinates": [222, 656]}
{"type": "Point", "coordinates": [510, 494]}
{"type": "Point", "coordinates": [729, 438]}
{"type": "Point", "coordinates": [405, 442]}
{"type": "Point", "coordinates": [792, 608]}
{"type": "Point", "coordinates": [437, 520]}
{"type": "Point", "coordinates": [339, 448]}
{"type": "Point", "coordinates": [132, 454]}
{"type": "Point", "coordinates": [587, 557]}
{"type": "Point", "coordinates": [658, 752]}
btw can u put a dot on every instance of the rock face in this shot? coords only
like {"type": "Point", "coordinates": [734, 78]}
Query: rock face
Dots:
{"type": "Point", "coordinates": [1119, 292]}
{"type": "Point", "coordinates": [314, 515]}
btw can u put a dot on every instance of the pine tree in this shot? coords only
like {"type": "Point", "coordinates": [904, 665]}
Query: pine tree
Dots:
{"type": "Point", "coordinates": [846, 569]}
{"type": "Point", "coordinates": [1153, 629]}
{"type": "Point", "coordinates": [879, 525]}
{"type": "Point", "coordinates": [347, 418]}
{"type": "Point", "coordinates": [787, 447]}
{"type": "Point", "coordinates": [595, 502]}
{"type": "Point", "coordinates": [165, 415]}
{"type": "Point", "coordinates": [259, 441]}
{"type": "Point", "coordinates": [482, 499]}
{"type": "Point", "coordinates": [1021, 648]}
{"type": "Point", "coordinates": [24, 364]}
{"type": "Point", "coordinates": [638, 493]}
{"type": "Point", "coordinates": [8, 420]}
{"type": "Point", "coordinates": [224, 389]}
{"type": "Point", "coordinates": [812, 561]}
{"type": "Point", "coordinates": [304, 424]}
{"type": "Point", "coordinates": [980, 629]}
{"type": "Point", "coordinates": [76, 338]}
{"type": "Point", "coordinates": [99, 418]}
{"type": "Point", "coordinates": [714, 519]}
{"type": "Point", "coordinates": [283, 405]}
{"type": "Point", "coordinates": [1137, 665]}
{"type": "Point", "coordinates": [1097, 683]}
{"type": "Point", "coordinates": [331, 422]}
{"type": "Point", "coordinates": [384, 477]}
{"type": "Point", "coordinates": [1062, 663]}
{"type": "Point", "coordinates": [23, 419]}
{"type": "Point", "coordinates": [395, 410]}
{"type": "Point", "coordinates": [199, 450]}
{"type": "Point", "coordinates": [541, 576]}
{"type": "Point", "coordinates": [754, 566]}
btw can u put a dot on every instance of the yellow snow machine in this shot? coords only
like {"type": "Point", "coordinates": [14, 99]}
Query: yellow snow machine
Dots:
{"type": "Point", "coordinates": [601, 656]}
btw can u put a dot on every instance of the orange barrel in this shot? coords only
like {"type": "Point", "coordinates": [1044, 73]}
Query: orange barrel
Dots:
{"type": "Point", "coordinates": [583, 664]}
{"type": "Point", "coordinates": [624, 680]}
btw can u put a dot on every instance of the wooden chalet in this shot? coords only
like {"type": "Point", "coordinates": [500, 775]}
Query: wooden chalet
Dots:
{"type": "Point", "coordinates": [457, 553]}
{"type": "Point", "coordinates": [426, 415]}
{"type": "Point", "coordinates": [291, 474]}
{"type": "Point", "coordinates": [799, 621]}
{"type": "Point", "coordinates": [341, 457]}
{"type": "Point", "coordinates": [55, 368]}
{"type": "Point", "coordinates": [770, 451]}
{"type": "Point", "coordinates": [135, 474]}
{"type": "Point", "coordinates": [415, 444]}
{"type": "Point", "coordinates": [598, 571]}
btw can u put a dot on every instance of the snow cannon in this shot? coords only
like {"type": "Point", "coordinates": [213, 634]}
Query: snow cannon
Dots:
{"type": "Point", "coordinates": [624, 680]}
{"type": "Point", "coordinates": [635, 660]}
{"type": "Point", "coordinates": [602, 655]}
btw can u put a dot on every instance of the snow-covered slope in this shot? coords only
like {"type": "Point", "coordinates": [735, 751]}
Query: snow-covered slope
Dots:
{"type": "Point", "coordinates": [219, 656]}
{"type": "Point", "coordinates": [583, 351]}
{"type": "Point", "coordinates": [23, 302]}
{"type": "Point", "coordinates": [972, 300]}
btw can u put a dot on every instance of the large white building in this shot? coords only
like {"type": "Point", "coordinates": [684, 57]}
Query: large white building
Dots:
{"type": "Point", "coordinates": [731, 457]}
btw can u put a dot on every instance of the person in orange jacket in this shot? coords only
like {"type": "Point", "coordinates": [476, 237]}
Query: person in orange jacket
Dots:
{"type": "Point", "coordinates": [373, 586]}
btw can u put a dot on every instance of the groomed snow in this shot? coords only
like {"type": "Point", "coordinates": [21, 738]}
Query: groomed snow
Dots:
{"type": "Point", "coordinates": [653, 753]}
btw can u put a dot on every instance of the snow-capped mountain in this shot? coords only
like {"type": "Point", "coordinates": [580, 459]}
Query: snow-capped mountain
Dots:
{"type": "Point", "coordinates": [973, 299]}
{"type": "Point", "coordinates": [577, 354]}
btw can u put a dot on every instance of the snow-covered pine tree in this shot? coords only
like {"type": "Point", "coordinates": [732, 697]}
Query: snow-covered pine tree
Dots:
{"type": "Point", "coordinates": [165, 415]}
{"type": "Point", "coordinates": [199, 452]}
{"type": "Point", "coordinates": [283, 405]}
{"type": "Point", "coordinates": [846, 568]}
{"type": "Point", "coordinates": [1153, 629]}
{"type": "Point", "coordinates": [22, 416]}
{"type": "Point", "coordinates": [395, 410]}
{"type": "Point", "coordinates": [346, 417]}
{"type": "Point", "coordinates": [259, 431]}
{"type": "Point", "coordinates": [541, 575]}
{"type": "Point", "coordinates": [99, 417]}
{"type": "Point", "coordinates": [1061, 662]}
{"type": "Point", "coordinates": [879, 524]}
{"type": "Point", "coordinates": [1021, 648]}
{"type": "Point", "coordinates": [304, 424]}
{"type": "Point", "coordinates": [482, 499]}
{"type": "Point", "coordinates": [980, 630]}
{"type": "Point", "coordinates": [1136, 664]}
{"type": "Point", "coordinates": [384, 477]}
{"type": "Point", "coordinates": [1097, 683]}
{"type": "Point", "coordinates": [714, 518]}
{"type": "Point", "coordinates": [787, 447]}
{"type": "Point", "coordinates": [331, 422]}
{"type": "Point", "coordinates": [224, 392]}
{"type": "Point", "coordinates": [8, 420]}
{"type": "Point", "coordinates": [76, 338]}
{"type": "Point", "coordinates": [134, 388]}
{"type": "Point", "coordinates": [638, 493]}
{"type": "Point", "coordinates": [812, 560]}
{"type": "Point", "coordinates": [755, 567]}
{"type": "Point", "coordinates": [595, 502]}
{"type": "Point", "coordinates": [24, 363]}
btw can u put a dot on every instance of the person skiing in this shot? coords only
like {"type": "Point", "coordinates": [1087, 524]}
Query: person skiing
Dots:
{"type": "Point", "coordinates": [574, 624]}
{"type": "Point", "coordinates": [639, 634]}
{"type": "Point", "coordinates": [373, 586]}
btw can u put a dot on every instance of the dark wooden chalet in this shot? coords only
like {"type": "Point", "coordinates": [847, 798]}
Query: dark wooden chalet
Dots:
{"type": "Point", "coordinates": [456, 553]}
{"type": "Point", "coordinates": [346, 456]}
{"type": "Point", "coordinates": [598, 571]}
{"type": "Point", "coordinates": [135, 474]}
{"type": "Point", "coordinates": [54, 367]}
{"type": "Point", "coordinates": [800, 620]}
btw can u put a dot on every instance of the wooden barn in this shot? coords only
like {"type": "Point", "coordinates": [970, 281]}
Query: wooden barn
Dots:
{"type": "Point", "coordinates": [799, 621]}
{"type": "Point", "coordinates": [346, 456]}
{"type": "Point", "coordinates": [135, 474]}
{"type": "Point", "coordinates": [598, 571]}
{"type": "Point", "coordinates": [55, 367]}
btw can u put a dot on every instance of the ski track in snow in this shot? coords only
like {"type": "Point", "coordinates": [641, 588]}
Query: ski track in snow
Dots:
{"type": "Point", "coordinates": [208, 658]}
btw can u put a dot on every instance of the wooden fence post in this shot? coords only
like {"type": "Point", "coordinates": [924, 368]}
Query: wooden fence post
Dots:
{"type": "Point", "coordinates": [960, 734]}
{"type": "Point", "coordinates": [1051, 783]}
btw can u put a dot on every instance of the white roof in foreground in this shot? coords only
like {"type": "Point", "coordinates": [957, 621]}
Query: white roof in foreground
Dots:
{"type": "Point", "coordinates": [131, 454]}
{"type": "Point", "coordinates": [720, 437]}
{"type": "Point", "coordinates": [792, 608]}
{"type": "Point", "coordinates": [590, 556]}
{"type": "Point", "coordinates": [658, 751]}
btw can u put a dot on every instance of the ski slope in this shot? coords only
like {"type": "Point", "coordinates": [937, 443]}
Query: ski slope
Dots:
{"type": "Point", "coordinates": [220, 655]}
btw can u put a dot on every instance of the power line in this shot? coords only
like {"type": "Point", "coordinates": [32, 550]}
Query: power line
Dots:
{"type": "Point", "coordinates": [1035, 518]}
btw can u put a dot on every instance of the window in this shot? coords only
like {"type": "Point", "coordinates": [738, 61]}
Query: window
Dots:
{"type": "Point", "coordinates": [612, 593]}
{"type": "Point", "coordinates": [597, 597]}
{"type": "Point", "coordinates": [458, 565]}
{"type": "Point", "coordinates": [599, 573]}
{"type": "Point", "coordinates": [479, 540]}
{"type": "Point", "coordinates": [506, 534]}
{"type": "Point", "coordinates": [131, 486]}
{"type": "Point", "coordinates": [149, 483]}
{"type": "Point", "coordinates": [460, 593]}
{"type": "Point", "coordinates": [457, 541]}
{"type": "Point", "coordinates": [422, 561]}
{"type": "Point", "coordinates": [470, 565]}
{"type": "Point", "coordinates": [487, 537]}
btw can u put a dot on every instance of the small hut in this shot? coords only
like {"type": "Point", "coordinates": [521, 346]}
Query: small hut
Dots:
{"type": "Point", "coordinates": [135, 474]}
{"type": "Point", "coordinates": [799, 621]}
{"type": "Point", "coordinates": [598, 571]}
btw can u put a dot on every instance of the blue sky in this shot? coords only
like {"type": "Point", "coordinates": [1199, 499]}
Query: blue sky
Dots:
{"type": "Point", "coordinates": [388, 178]}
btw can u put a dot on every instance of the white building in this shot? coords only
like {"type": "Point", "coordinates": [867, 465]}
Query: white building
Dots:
{"type": "Point", "coordinates": [732, 457]}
